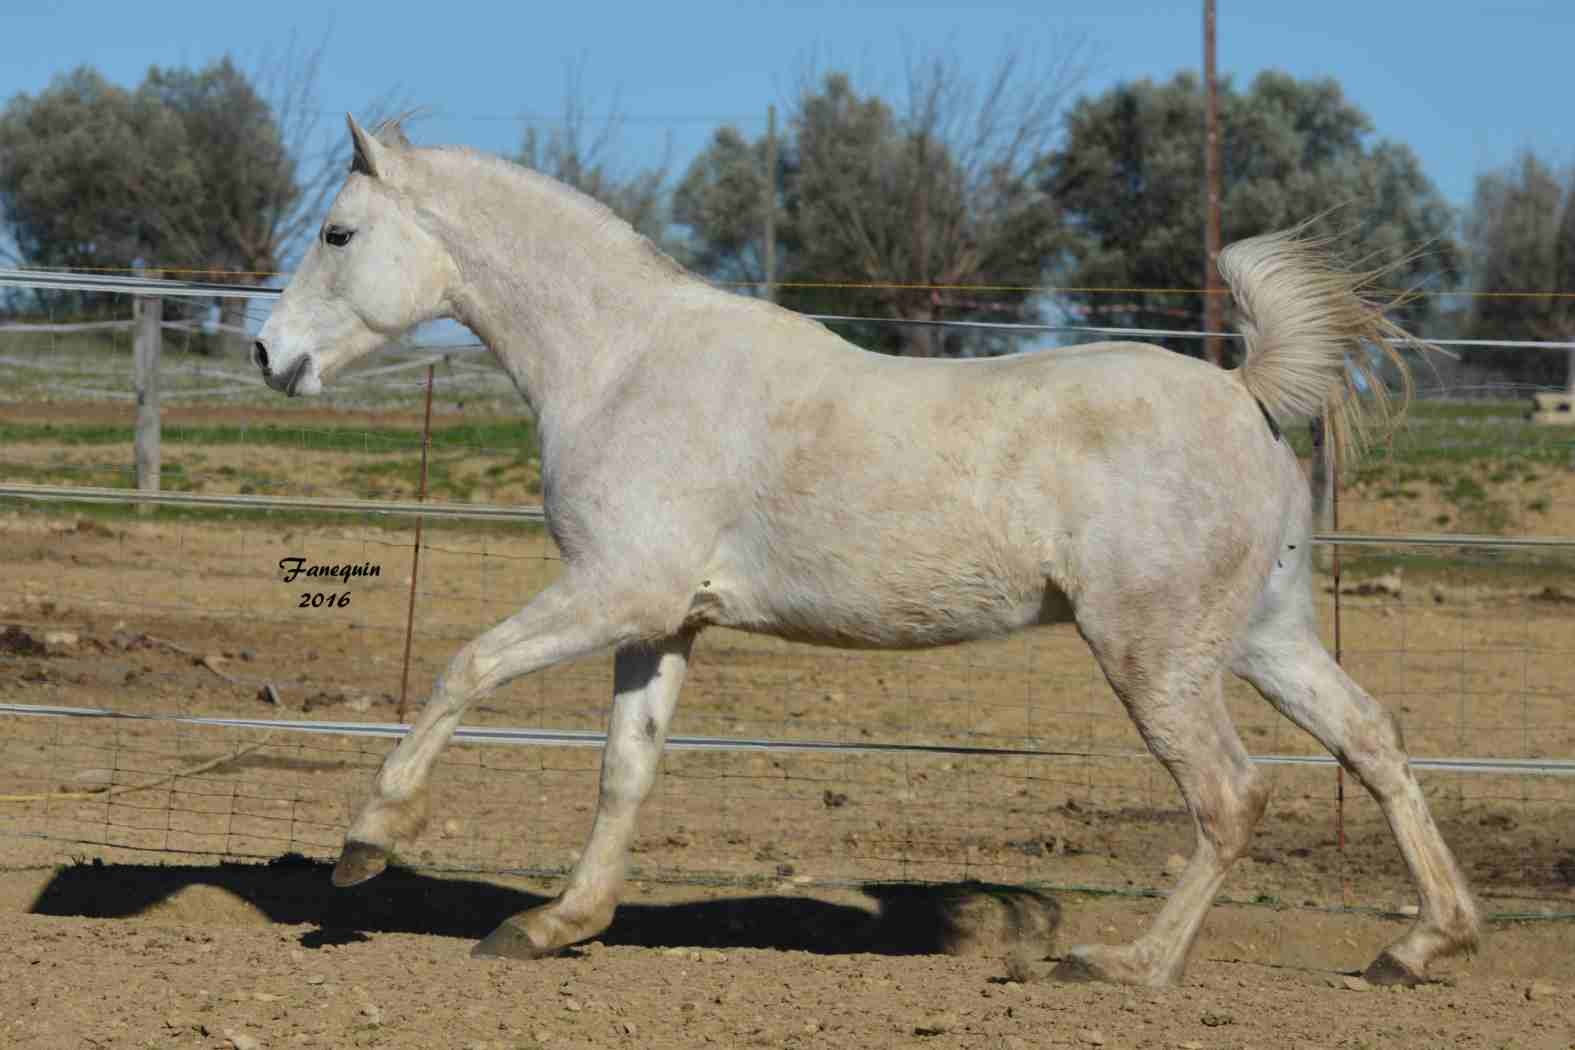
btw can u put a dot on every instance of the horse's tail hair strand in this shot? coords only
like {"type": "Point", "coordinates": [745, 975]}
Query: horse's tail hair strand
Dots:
{"type": "Point", "coordinates": [1308, 328]}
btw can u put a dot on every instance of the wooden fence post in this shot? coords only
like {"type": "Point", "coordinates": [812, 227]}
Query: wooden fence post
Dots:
{"type": "Point", "coordinates": [149, 335]}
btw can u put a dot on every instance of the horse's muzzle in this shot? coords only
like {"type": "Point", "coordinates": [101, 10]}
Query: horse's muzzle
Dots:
{"type": "Point", "coordinates": [289, 380]}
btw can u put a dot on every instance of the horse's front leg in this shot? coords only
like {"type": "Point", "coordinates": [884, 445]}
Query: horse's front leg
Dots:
{"type": "Point", "coordinates": [646, 680]}
{"type": "Point", "coordinates": [562, 622]}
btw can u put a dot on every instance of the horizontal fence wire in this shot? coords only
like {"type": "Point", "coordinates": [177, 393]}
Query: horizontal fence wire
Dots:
{"type": "Point", "coordinates": [394, 508]}
{"type": "Point", "coordinates": [110, 272]}
{"type": "Point", "coordinates": [585, 738]}
{"type": "Point", "coordinates": [537, 514]}
{"type": "Point", "coordinates": [208, 290]}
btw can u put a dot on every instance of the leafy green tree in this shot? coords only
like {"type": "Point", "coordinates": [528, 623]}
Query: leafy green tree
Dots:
{"type": "Point", "coordinates": [1521, 234]}
{"type": "Point", "coordinates": [244, 214]}
{"type": "Point", "coordinates": [79, 164]}
{"type": "Point", "coordinates": [721, 199]}
{"type": "Point", "coordinates": [213, 170]}
{"type": "Point", "coordinates": [893, 210]}
{"type": "Point", "coordinates": [246, 185]}
{"type": "Point", "coordinates": [1129, 176]}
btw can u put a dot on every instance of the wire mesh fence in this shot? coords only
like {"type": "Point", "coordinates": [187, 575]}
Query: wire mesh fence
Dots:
{"type": "Point", "coordinates": [1038, 776]}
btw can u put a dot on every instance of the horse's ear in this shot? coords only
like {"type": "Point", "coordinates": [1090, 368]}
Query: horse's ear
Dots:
{"type": "Point", "coordinates": [370, 155]}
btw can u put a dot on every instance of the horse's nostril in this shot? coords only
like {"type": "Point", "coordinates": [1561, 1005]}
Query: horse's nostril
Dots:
{"type": "Point", "coordinates": [261, 356]}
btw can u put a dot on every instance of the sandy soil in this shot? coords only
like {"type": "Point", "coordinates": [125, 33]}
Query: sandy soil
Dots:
{"type": "Point", "coordinates": [234, 957]}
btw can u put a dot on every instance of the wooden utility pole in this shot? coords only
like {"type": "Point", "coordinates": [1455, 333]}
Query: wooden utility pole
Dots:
{"type": "Point", "coordinates": [770, 203]}
{"type": "Point", "coordinates": [1213, 306]}
{"type": "Point", "coordinates": [149, 333]}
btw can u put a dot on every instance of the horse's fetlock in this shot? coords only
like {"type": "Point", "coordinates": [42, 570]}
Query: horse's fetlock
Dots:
{"type": "Point", "coordinates": [1462, 926]}
{"type": "Point", "coordinates": [595, 920]}
{"type": "Point", "coordinates": [402, 812]}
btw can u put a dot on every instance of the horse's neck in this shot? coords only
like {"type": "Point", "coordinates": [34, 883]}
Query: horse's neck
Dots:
{"type": "Point", "coordinates": [563, 296]}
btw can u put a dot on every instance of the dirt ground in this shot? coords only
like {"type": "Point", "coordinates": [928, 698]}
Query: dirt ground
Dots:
{"type": "Point", "coordinates": [799, 867]}
{"type": "Point", "coordinates": [272, 957]}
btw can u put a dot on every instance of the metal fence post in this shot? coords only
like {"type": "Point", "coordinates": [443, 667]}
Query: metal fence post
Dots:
{"type": "Point", "coordinates": [1322, 481]}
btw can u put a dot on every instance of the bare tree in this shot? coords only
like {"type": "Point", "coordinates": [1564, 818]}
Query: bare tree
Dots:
{"type": "Point", "coordinates": [286, 216]}
{"type": "Point", "coordinates": [921, 200]}
{"type": "Point", "coordinates": [581, 149]}
{"type": "Point", "coordinates": [265, 169]}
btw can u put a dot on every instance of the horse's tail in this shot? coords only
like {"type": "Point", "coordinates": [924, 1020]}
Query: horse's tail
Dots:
{"type": "Point", "coordinates": [1308, 328]}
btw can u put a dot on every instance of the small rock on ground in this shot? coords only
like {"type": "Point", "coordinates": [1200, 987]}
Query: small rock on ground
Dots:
{"type": "Point", "coordinates": [1538, 990]}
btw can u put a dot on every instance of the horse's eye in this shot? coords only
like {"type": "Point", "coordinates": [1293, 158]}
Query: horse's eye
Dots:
{"type": "Point", "coordinates": [338, 236]}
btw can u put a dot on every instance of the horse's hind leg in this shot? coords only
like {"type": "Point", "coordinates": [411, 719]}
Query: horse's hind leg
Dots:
{"type": "Point", "coordinates": [646, 681]}
{"type": "Point", "coordinates": [1175, 699]}
{"type": "Point", "coordinates": [1286, 662]}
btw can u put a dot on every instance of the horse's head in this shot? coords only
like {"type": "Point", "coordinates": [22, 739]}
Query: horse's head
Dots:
{"type": "Point", "coordinates": [372, 273]}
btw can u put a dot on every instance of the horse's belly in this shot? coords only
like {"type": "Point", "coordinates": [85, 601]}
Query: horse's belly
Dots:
{"type": "Point", "coordinates": [907, 602]}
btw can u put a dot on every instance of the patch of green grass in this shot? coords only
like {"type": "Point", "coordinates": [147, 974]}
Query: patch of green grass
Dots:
{"type": "Point", "coordinates": [380, 479]}
{"type": "Point", "coordinates": [508, 436]}
{"type": "Point", "coordinates": [1491, 567]}
{"type": "Point", "coordinates": [447, 476]}
{"type": "Point", "coordinates": [172, 478]}
{"type": "Point", "coordinates": [1465, 490]}
{"type": "Point", "coordinates": [1474, 507]}
{"type": "Point", "coordinates": [1477, 411]}
{"type": "Point", "coordinates": [1451, 433]}
{"type": "Point", "coordinates": [103, 475]}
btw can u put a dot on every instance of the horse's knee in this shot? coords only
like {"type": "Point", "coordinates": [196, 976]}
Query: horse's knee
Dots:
{"type": "Point", "coordinates": [462, 679]}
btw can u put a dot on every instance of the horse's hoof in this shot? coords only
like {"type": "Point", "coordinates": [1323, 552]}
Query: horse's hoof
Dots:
{"type": "Point", "coordinates": [358, 862]}
{"type": "Point", "coordinates": [1386, 969]}
{"type": "Point", "coordinates": [509, 941]}
{"type": "Point", "coordinates": [1110, 964]}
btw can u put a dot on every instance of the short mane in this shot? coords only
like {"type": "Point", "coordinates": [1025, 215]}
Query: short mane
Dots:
{"type": "Point", "coordinates": [606, 220]}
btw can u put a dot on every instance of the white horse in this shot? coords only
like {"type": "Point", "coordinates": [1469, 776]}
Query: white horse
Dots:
{"type": "Point", "coordinates": [709, 459]}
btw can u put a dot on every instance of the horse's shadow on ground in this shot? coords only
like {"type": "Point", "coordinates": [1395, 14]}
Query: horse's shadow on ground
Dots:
{"type": "Point", "coordinates": [902, 919]}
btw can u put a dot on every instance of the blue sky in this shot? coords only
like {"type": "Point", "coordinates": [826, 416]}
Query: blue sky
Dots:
{"type": "Point", "coordinates": [1466, 86]}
